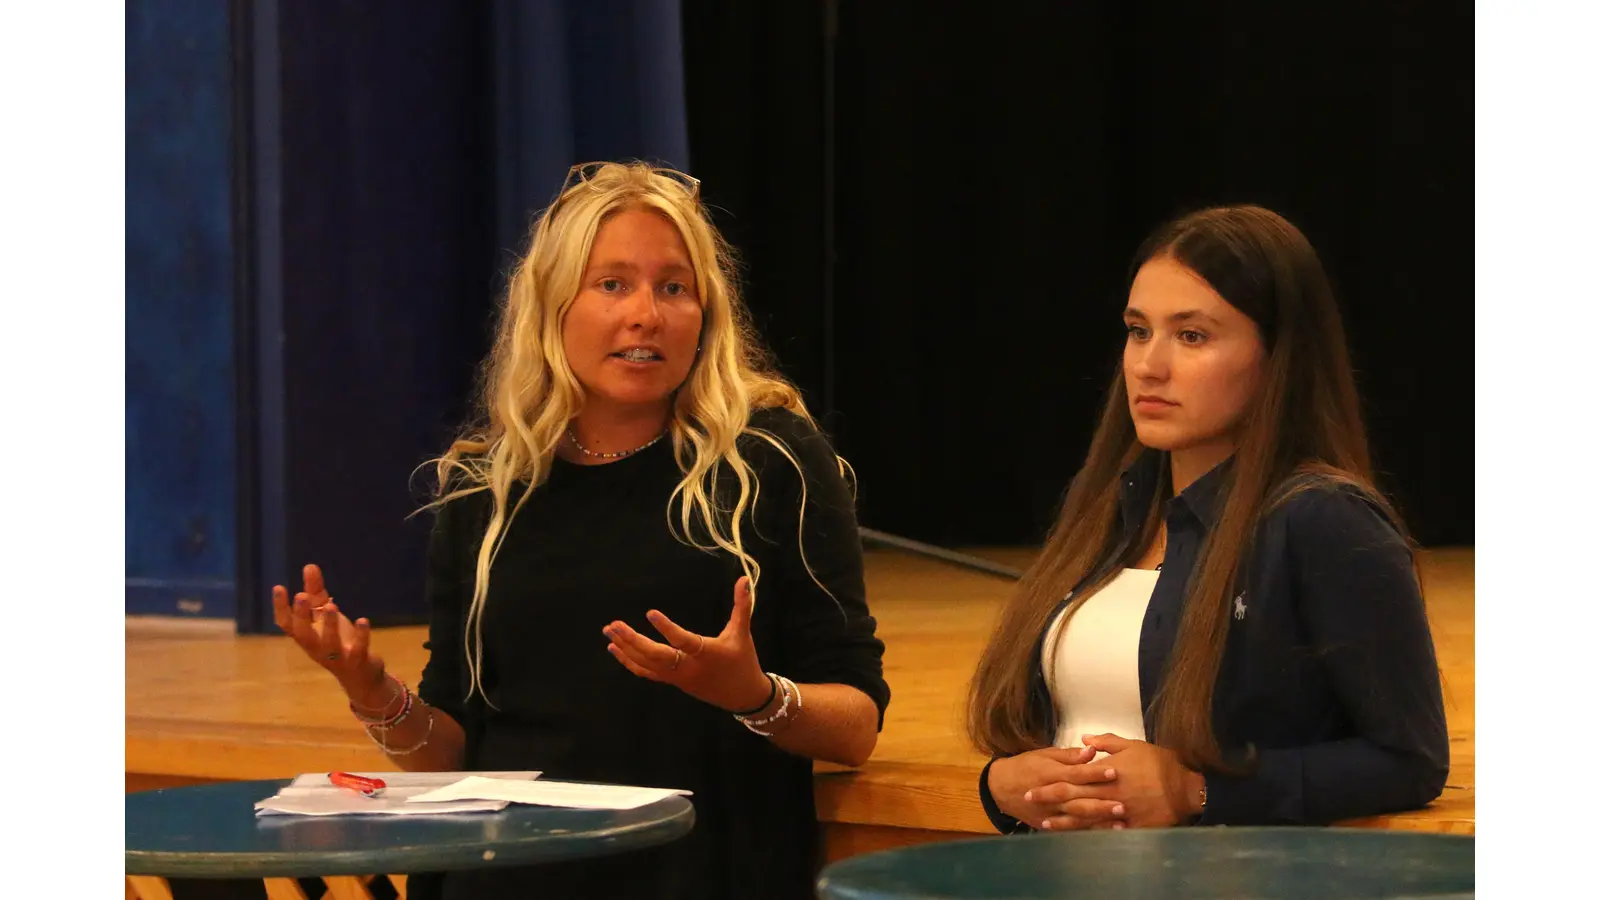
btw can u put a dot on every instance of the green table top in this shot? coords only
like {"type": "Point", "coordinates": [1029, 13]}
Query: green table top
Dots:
{"type": "Point", "coordinates": [1191, 863]}
{"type": "Point", "coordinates": [212, 831]}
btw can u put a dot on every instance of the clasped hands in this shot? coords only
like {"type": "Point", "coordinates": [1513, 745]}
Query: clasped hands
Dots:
{"type": "Point", "coordinates": [1138, 785]}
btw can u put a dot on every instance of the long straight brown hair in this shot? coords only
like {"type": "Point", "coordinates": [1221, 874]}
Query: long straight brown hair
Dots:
{"type": "Point", "coordinates": [1304, 428]}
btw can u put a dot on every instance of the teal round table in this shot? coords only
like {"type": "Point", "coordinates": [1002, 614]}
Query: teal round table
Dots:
{"type": "Point", "coordinates": [1155, 864]}
{"type": "Point", "coordinates": [212, 831]}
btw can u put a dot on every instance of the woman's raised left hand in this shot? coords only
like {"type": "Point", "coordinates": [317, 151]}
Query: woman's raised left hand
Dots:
{"type": "Point", "coordinates": [723, 671]}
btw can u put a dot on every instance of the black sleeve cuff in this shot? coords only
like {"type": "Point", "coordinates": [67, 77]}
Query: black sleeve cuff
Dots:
{"type": "Point", "coordinates": [1001, 822]}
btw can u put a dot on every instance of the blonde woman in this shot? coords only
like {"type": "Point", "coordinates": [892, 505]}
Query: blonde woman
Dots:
{"type": "Point", "coordinates": [645, 567]}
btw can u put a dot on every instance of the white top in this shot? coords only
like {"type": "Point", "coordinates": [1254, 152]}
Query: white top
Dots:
{"type": "Point", "coordinates": [1094, 676]}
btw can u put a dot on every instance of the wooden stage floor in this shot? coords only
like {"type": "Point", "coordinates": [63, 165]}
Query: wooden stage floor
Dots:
{"type": "Point", "coordinates": [205, 704]}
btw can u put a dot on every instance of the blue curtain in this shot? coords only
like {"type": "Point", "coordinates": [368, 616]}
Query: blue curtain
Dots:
{"type": "Point", "coordinates": [180, 507]}
{"type": "Point", "coordinates": [577, 81]}
{"type": "Point", "coordinates": [320, 196]}
{"type": "Point", "coordinates": [398, 157]}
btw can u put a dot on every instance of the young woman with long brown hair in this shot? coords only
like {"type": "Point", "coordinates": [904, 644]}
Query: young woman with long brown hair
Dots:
{"type": "Point", "coordinates": [1225, 625]}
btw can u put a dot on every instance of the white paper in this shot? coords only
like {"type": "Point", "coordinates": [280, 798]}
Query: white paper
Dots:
{"type": "Point", "coordinates": [410, 779]}
{"type": "Point", "coordinates": [315, 802]}
{"type": "Point", "coordinates": [313, 794]}
{"type": "Point", "coordinates": [546, 793]}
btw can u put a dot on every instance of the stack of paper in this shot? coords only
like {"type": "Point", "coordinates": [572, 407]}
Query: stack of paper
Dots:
{"type": "Point", "coordinates": [314, 795]}
{"type": "Point", "coordinates": [440, 793]}
{"type": "Point", "coordinates": [489, 787]}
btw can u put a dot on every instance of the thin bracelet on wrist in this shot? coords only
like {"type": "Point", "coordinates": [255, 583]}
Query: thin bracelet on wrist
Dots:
{"type": "Point", "coordinates": [390, 721]}
{"type": "Point", "coordinates": [791, 693]}
{"type": "Point", "coordinates": [771, 695]}
{"type": "Point", "coordinates": [399, 687]}
{"type": "Point", "coordinates": [383, 742]}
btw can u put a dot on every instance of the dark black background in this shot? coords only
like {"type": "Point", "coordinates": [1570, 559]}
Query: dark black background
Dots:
{"type": "Point", "coordinates": [998, 164]}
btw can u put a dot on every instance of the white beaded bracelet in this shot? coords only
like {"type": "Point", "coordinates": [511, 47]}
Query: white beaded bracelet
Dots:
{"type": "Point", "coordinates": [790, 692]}
{"type": "Point", "coordinates": [783, 688]}
{"type": "Point", "coordinates": [403, 751]}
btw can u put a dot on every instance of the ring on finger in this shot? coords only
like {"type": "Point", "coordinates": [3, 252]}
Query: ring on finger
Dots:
{"type": "Point", "coordinates": [677, 657]}
{"type": "Point", "coordinates": [700, 646]}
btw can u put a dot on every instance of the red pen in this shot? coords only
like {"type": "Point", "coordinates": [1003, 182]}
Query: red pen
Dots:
{"type": "Point", "coordinates": [366, 787]}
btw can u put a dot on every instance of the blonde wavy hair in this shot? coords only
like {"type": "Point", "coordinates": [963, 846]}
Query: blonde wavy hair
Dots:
{"type": "Point", "coordinates": [530, 393]}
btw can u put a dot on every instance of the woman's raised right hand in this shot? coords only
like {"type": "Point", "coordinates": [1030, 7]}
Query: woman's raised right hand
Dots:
{"type": "Point", "coordinates": [332, 640]}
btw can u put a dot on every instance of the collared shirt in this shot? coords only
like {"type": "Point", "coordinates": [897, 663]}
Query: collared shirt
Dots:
{"type": "Point", "coordinates": [1329, 676]}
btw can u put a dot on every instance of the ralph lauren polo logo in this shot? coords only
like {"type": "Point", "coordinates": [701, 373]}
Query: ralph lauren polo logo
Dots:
{"type": "Point", "coordinates": [1238, 607]}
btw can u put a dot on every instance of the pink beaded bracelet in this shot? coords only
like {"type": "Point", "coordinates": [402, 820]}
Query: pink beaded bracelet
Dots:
{"type": "Point", "coordinates": [391, 721]}
{"type": "Point", "coordinates": [399, 686]}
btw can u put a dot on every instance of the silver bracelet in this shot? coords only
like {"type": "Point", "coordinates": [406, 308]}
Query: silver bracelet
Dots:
{"type": "Point", "coordinates": [403, 751]}
{"type": "Point", "coordinates": [393, 721]}
{"type": "Point", "coordinates": [364, 713]}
